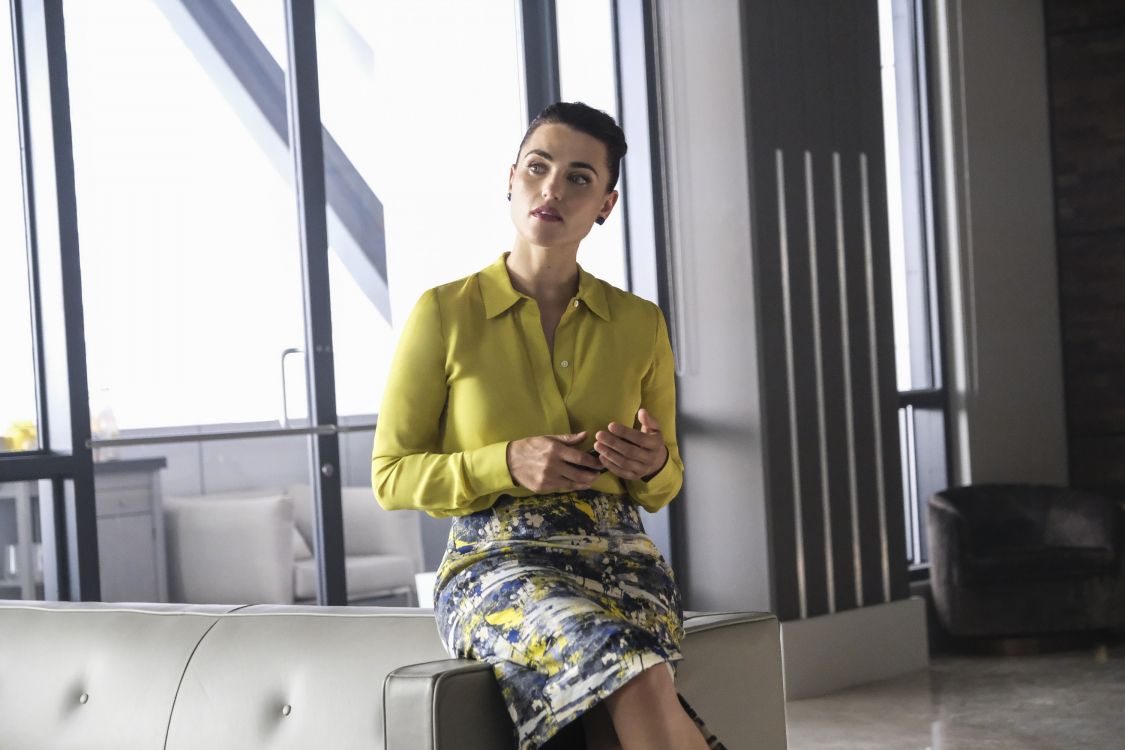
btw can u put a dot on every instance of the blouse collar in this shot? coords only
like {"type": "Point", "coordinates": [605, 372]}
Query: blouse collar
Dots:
{"type": "Point", "coordinates": [499, 294]}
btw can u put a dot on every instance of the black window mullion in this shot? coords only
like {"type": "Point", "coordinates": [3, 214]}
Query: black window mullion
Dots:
{"type": "Point", "coordinates": [67, 513]}
{"type": "Point", "coordinates": [306, 146]}
{"type": "Point", "coordinates": [540, 54]}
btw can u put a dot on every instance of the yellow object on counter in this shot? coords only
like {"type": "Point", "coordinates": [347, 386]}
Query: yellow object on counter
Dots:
{"type": "Point", "coordinates": [21, 436]}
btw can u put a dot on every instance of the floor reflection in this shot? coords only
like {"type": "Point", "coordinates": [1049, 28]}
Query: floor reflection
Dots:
{"type": "Point", "coordinates": [1062, 700]}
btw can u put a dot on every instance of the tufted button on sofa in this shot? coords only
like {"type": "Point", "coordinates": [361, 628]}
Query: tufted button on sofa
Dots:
{"type": "Point", "coordinates": [146, 676]}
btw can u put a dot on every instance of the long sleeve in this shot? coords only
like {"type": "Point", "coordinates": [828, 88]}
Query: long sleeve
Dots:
{"type": "Point", "coordinates": [407, 469]}
{"type": "Point", "coordinates": [658, 396]}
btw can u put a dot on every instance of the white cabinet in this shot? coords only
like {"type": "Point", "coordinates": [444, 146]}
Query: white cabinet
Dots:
{"type": "Point", "coordinates": [130, 518]}
{"type": "Point", "coordinates": [131, 530]}
{"type": "Point", "coordinates": [19, 576]}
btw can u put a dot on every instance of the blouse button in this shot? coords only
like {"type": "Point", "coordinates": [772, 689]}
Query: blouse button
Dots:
{"type": "Point", "coordinates": [564, 363]}
{"type": "Point", "coordinates": [576, 303]}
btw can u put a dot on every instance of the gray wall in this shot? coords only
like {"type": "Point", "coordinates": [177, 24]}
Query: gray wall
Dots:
{"type": "Point", "coordinates": [723, 559]}
{"type": "Point", "coordinates": [792, 498]}
{"type": "Point", "coordinates": [994, 166]}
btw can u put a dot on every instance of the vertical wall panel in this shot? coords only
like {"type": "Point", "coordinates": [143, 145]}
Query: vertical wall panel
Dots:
{"type": "Point", "coordinates": [813, 104]}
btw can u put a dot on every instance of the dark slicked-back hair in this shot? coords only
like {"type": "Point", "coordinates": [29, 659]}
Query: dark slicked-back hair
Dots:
{"type": "Point", "coordinates": [592, 122]}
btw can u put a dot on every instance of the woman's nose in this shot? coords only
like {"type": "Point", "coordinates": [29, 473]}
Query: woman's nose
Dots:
{"type": "Point", "coordinates": [552, 187]}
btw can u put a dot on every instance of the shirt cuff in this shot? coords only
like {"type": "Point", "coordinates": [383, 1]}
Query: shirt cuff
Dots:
{"type": "Point", "coordinates": [489, 465]}
{"type": "Point", "coordinates": [657, 491]}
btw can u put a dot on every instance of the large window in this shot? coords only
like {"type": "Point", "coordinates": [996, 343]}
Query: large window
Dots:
{"type": "Point", "coordinates": [586, 64]}
{"type": "Point", "coordinates": [195, 294]}
{"type": "Point", "coordinates": [21, 549]}
{"type": "Point", "coordinates": [921, 383]}
{"type": "Point", "coordinates": [188, 233]}
{"type": "Point", "coordinates": [18, 422]}
{"type": "Point", "coordinates": [424, 101]}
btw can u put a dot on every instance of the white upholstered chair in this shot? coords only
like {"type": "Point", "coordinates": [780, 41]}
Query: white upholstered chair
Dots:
{"type": "Point", "coordinates": [255, 546]}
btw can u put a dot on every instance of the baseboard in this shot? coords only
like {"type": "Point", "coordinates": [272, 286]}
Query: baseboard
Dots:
{"type": "Point", "coordinates": [831, 652]}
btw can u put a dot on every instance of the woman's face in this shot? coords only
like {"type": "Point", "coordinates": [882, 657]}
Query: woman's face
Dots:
{"type": "Point", "coordinates": [558, 186]}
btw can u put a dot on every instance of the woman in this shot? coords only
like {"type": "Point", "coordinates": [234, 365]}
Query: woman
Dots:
{"type": "Point", "coordinates": [510, 406]}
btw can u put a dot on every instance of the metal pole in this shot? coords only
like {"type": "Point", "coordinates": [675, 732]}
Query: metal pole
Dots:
{"type": "Point", "coordinates": [540, 54]}
{"type": "Point", "coordinates": [306, 145]}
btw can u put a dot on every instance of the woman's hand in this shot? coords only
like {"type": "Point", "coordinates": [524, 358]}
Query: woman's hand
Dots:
{"type": "Point", "coordinates": [547, 463]}
{"type": "Point", "coordinates": [633, 454]}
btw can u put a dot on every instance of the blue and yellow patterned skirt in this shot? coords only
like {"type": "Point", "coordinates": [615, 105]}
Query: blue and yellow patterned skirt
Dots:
{"type": "Point", "coordinates": [566, 597]}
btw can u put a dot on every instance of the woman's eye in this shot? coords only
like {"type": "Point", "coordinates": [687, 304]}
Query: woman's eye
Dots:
{"type": "Point", "coordinates": [581, 179]}
{"type": "Point", "coordinates": [533, 168]}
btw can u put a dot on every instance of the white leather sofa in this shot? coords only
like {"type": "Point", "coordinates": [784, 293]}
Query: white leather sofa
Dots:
{"type": "Point", "coordinates": [175, 676]}
{"type": "Point", "coordinates": [255, 546]}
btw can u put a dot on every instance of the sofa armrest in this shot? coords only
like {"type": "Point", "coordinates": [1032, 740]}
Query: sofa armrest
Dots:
{"type": "Point", "coordinates": [946, 536]}
{"type": "Point", "coordinates": [731, 675]}
{"type": "Point", "coordinates": [429, 706]}
{"type": "Point", "coordinates": [1119, 517]}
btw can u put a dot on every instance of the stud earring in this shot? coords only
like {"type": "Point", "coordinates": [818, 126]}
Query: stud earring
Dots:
{"type": "Point", "coordinates": [600, 220]}
{"type": "Point", "coordinates": [509, 196]}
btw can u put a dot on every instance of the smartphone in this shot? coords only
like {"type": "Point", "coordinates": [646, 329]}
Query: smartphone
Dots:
{"type": "Point", "coordinates": [594, 452]}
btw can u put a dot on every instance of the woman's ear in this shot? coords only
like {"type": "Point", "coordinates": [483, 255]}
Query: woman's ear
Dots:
{"type": "Point", "coordinates": [610, 201]}
{"type": "Point", "coordinates": [511, 176]}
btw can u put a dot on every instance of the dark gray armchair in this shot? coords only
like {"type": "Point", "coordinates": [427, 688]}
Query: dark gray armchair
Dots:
{"type": "Point", "coordinates": [1013, 559]}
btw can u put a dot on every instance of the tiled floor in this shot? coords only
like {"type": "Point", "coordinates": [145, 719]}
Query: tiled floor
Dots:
{"type": "Point", "coordinates": [1073, 699]}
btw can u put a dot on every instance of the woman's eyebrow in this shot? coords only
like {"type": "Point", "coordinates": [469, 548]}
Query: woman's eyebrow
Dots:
{"type": "Point", "coordinates": [548, 157]}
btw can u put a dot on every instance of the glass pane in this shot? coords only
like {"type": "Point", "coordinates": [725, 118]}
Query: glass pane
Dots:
{"type": "Point", "coordinates": [187, 223]}
{"type": "Point", "coordinates": [431, 143]}
{"type": "Point", "coordinates": [18, 423]}
{"type": "Point", "coordinates": [905, 197]}
{"type": "Point", "coordinates": [931, 467]}
{"type": "Point", "coordinates": [268, 23]}
{"type": "Point", "coordinates": [416, 198]}
{"type": "Point", "coordinates": [587, 74]}
{"type": "Point", "coordinates": [924, 472]}
{"type": "Point", "coordinates": [909, 502]}
{"type": "Point", "coordinates": [225, 521]}
{"type": "Point", "coordinates": [21, 542]}
{"type": "Point", "coordinates": [192, 292]}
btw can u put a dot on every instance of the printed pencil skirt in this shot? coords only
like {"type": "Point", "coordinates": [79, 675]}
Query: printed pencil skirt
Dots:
{"type": "Point", "coordinates": [568, 599]}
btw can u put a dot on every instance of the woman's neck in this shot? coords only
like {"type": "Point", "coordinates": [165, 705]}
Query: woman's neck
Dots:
{"type": "Point", "coordinates": [548, 275]}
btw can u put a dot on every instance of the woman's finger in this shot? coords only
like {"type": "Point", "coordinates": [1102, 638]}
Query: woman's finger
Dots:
{"type": "Point", "coordinates": [622, 462]}
{"type": "Point", "coordinates": [623, 471]}
{"type": "Point", "coordinates": [569, 472]}
{"type": "Point", "coordinates": [650, 440]}
{"type": "Point", "coordinates": [648, 422]}
{"type": "Point", "coordinates": [625, 448]}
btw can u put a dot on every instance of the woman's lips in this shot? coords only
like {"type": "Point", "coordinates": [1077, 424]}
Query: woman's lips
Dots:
{"type": "Point", "coordinates": [546, 216]}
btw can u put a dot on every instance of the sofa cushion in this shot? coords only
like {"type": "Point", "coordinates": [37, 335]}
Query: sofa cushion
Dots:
{"type": "Point", "coordinates": [368, 529]}
{"type": "Point", "coordinates": [301, 549]}
{"type": "Point", "coordinates": [279, 677]}
{"type": "Point", "coordinates": [367, 575]}
{"type": "Point", "coordinates": [94, 675]}
{"type": "Point", "coordinates": [1021, 566]}
{"type": "Point", "coordinates": [212, 558]}
{"type": "Point", "coordinates": [1078, 519]}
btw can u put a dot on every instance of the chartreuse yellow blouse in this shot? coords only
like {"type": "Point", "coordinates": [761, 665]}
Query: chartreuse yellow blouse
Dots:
{"type": "Point", "coordinates": [471, 372]}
